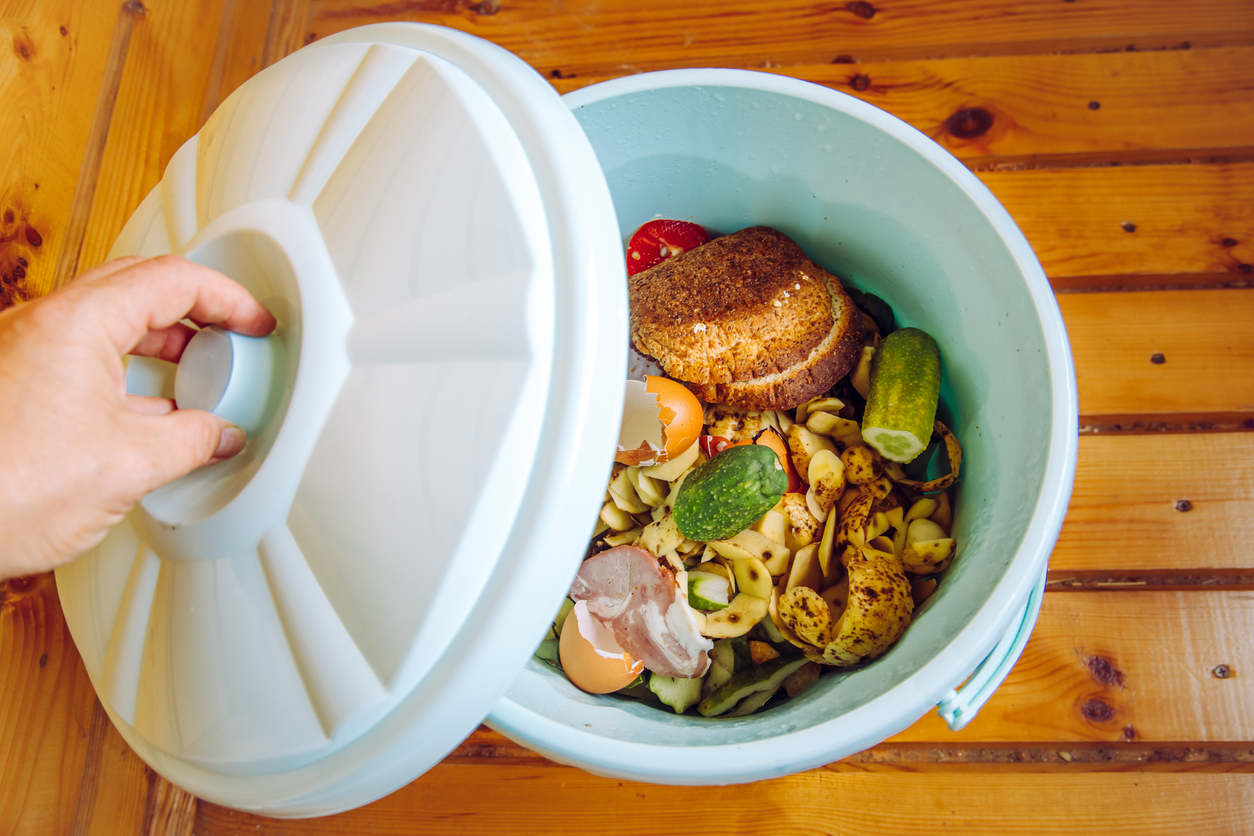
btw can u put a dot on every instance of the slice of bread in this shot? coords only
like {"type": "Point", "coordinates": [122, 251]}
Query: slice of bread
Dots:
{"type": "Point", "coordinates": [746, 320]}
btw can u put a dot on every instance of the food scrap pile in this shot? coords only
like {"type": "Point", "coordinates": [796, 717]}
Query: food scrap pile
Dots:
{"type": "Point", "coordinates": [782, 527]}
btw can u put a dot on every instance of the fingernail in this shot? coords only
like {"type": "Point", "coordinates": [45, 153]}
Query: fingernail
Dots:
{"type": "Point", "coordinates": [230, 442]}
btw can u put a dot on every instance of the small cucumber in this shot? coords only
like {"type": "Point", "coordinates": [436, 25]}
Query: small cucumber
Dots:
{"type": "Point", "coordinates": [905, 386]}
{"type": "Point", "coordinates": [764, 677]}
{"type": "Point", "coordinates": [679, 694]}
{"type": "Point", "coordinates": [707, 592]}
{"type": "Point", "coordinates": [730, 492]}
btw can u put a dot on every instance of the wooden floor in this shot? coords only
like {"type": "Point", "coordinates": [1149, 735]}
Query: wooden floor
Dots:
{"type": "Point", "coordinates": [1120, 136]}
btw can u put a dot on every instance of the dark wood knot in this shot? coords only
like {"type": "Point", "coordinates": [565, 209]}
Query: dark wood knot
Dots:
{"type": "Point", "coordinates": [969, 122]}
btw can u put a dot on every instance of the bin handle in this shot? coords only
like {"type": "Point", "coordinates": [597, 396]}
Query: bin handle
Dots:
{"type": "Point", "coordinates": [960, 705]}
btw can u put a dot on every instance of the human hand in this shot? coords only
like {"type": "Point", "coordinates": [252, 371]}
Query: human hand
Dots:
{"type": "Point", "coordinates": [78, 452]}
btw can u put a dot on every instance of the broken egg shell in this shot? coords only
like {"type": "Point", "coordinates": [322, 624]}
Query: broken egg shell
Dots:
{"type": "Point", "coordinates": [591, 657]}
{"type": "Point", "coordinates": [661, 420]}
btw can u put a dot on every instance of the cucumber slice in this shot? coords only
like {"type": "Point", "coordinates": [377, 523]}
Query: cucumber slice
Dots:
{"type": "Point", "coordinates": [708, 592]}
{"type": "Point", "coordinates": [679, 694]}
{"type": "Point", "coordinates": [764, 677]}
{"type": "Point", "coordinates": [905, 387]}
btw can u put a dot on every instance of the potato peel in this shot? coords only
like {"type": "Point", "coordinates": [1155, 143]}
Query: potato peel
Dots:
{"type": "Point", "coordinates": [878, 611]}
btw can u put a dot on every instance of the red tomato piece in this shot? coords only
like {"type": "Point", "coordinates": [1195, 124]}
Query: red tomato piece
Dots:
{"type": "Point", "coordinates": [712, 445]}
{"type": "Point", "coordinates": [659, 240]}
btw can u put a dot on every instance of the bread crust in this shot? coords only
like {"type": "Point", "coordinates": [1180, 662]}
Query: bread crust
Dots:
{"type": "Point", "coordinates": [746, 320]}
{"type": "Point", "coordinates": [711, 315]}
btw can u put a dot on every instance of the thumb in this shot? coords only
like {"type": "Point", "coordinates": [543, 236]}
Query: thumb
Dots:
{"type": "Point", "coordinates": [181, 441]}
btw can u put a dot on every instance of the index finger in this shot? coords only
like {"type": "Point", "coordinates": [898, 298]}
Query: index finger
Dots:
{"type": "Point", "coordinates": [156, 293]}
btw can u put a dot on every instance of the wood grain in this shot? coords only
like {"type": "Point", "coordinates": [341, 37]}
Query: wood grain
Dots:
{"type": "Point", "coordinates": [50, 69]}
{"type": "Point", "coordinates": [171, 810]}
{"type": "Point", "coordinates": [1135, 225]}
{"type": "Point", "coordinates": [620, 36]}
{"type": "Point", "coordinates": [239, 52]}
{"type": "Point", "coordinates": [89, 173]}
{"type": "Point", "coordinates": [485, 799]}
{"type": "Point", "coordinates": [63, 768]}
{"type": "Point", "coordinates": [1204, 339]}
{"type": "Point", "coordinates": [1150, 502]}
{"type": "Point", "coordinates": [1057, 109]}
{"type": "Point", "coordinates": [287, 29]}
{"type": "Point", "coordinates": [1072, 109]}
{"type": "Point", "coordinates": [1123, 666]}
{"type": "Point", "coordinates": [159, 106]}
{"type": "Point", "coordinates": [1051, 751]}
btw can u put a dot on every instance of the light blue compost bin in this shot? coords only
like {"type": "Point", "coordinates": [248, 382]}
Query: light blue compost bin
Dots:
{"type": "Point", "coordinates": [889, 211]}
{"type": "Point", "coordinates": [314, 623]}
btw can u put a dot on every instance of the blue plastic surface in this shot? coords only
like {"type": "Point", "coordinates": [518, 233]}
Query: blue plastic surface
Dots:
{"type": "Point", "coordinates": [962, 704]}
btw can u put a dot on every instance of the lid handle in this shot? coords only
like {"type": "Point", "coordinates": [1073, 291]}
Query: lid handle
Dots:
{"type": "Point", "coordinates": [236, 377]}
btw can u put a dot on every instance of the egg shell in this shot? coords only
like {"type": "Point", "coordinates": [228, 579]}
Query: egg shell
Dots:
{"type": "Point", "coordinates": [661, 420]}
{"type": "Point", "coordinates": [590, 656]}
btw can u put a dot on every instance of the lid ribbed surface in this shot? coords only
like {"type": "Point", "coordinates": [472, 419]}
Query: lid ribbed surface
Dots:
{"type": "Point", "coordinates": [314, 622]}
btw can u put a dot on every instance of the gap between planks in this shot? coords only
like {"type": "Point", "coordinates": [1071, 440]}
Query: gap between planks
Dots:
{"type": "Point", "coordinates": [485, 744]}
{"type": "Point", "coordinates": [93, 155]}
{"type": "Point", "coordinates": [1166, 580]}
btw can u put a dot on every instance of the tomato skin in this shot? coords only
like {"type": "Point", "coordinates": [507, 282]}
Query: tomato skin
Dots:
{"type": "Point", "coordinates": [712, 445]}
{"type": "Point", "coordinates": [661, 239]}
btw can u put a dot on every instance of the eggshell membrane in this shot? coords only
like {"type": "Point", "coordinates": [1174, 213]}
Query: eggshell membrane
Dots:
{"type": "Point", "coordinates": [680, 418]}
{"type": "Point", "coordinates": [590, 656]}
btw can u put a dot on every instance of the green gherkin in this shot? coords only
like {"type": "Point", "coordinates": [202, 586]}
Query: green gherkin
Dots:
{"type": "Point", "coordinates": [730, 492]}
{"type": "Point", "coordinates": [905, 387]}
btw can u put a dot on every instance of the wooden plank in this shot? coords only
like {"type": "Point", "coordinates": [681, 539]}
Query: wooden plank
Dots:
{"type": "Point", "coordinates": [287, 30]}
{"type": "Point", "coordinates": [239, 52]}
{"type": "Point", "coordinates": [63, 768]}
{"type": "Point", "coordinates": [89, 174]}
{"type": "Point", "coordinates": [171, 810]}
{"type": "Point", "coordinates": [1105, 667]}
{"type": "Point", "coordinates": [48, 83]}
{"type": "Point", "coordinates": [1123, 667]}
{"type": "Point", "coordinates": [1138, 224]}
{"type": "Point", "coordinates": [1058, 109]}
{"type": "Point", "coordinates": [616, 36]}
{"type": "Point", "coordinates": [1151, 502]}
{"type": "Point", "coordinates": [159, 106]}
{"type": "Point", "coordinates": [550, 799]}
{"type": "Point", "coordinates": [1174, 353]}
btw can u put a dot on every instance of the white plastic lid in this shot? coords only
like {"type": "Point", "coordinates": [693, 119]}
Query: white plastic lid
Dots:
{"type": "Point", "coordinates": [313, 623]}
